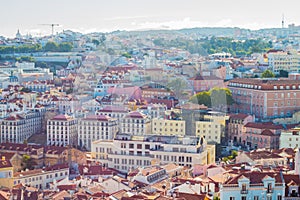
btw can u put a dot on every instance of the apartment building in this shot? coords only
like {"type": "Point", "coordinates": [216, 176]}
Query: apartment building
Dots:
{"type": "Point", "coordinates": [235, 126]}
{"type": "Point", "coordinates": [62, 131]}
{"type": "Point", "coordinates": [254, 185]}
{"type": "Point", "coordinates": [168, 127]}
{"type": "Point", "coordinates": [38, 178]}
{"type": "Point", "coordinates": [283, 60]}
{"type": "Point", "coordinates": [126, 152]}
{"type": "Point", "coordinates": [19, 127]}
{"type": "Point", "coordinates": [136, 123]}
{"type": "Point", "coordinates": [96, 127]}
{"type": "Point", "coordinates": [265, 98]}
{"type": "Point", "coordinates": [290, 138]}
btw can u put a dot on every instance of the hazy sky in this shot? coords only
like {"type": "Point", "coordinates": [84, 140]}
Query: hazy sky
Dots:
{"type": "Point", "coordinates": [107, 15]}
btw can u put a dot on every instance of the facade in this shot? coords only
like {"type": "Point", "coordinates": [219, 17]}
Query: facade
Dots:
{"type": "Point", "coordinates": [290, 138]}
{"type": "Point", "coordinates": [136, 123]}
{"type": "Point", "coordinates": [287, 61]}
{"type": "Point", "coordinates": [19, 127]}
{"type": "Point", "coordinates": [62, 131]}
{"type": "Point", "coordinates": [150, 93]}
{"type": "Point", "coordinates": [211, 130]}
{"type": "Point", "coordinates": [261, 135]}
{"type": "Point", "coordinates": [235, 126]}
{"type": "Point", "coordinates": [265, 98]}
{"type": "Point", "coordinates": [125, 153]}
{"type": "Point", "coordinates": [205, 83]}
{"type": "Point", "coordinates": [96, 127]}
{"type": "Point", "coordinates": [254, 185]}
{"type": "Point", "coordinates": [38, 178]}
{"type": "Point", "coordinates": [168, 127]}
{"type": "Point", "coordinates": [153, 110]}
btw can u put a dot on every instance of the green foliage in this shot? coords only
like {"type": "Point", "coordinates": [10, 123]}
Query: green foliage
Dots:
{"type": "Point", "coordinates": [95, 42]}
{"type": "Point", "coordinates": [217, 45]}
{"type": "Point", "coordinates": [215, 97]}
{"type": "Point", "coordinates": [126, 54]}
{"type": "Point", "coordinates": [27, 162]}
{"type": "Point", "coordinates": [25, 58]}
{"type": "Point", "coordinates": [54, 47]}
{"type": "Point", "coordinates": [26, 90]}
{"type": "Point", "coordinates": [234, 153]}
{"type": "Point", "coordinates": [20, 49]}
{"type": "Point", "coordinates": [268, 74]}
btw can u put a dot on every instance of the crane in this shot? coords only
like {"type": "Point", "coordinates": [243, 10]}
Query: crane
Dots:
{"type": "Point", "coordinates": [52, 25]}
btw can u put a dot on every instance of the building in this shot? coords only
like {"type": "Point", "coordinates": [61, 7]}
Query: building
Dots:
{"type": "Point", "coordinates": [292, 186]}
{"type": "Point", "coordinates": [136, 123]}
{"type": "Point", "coordinates": [19, 127]}
{"type": "Point", "coordinates": [254, 185]}
{"type": "Point", "coordinates": [283, 60]}
{"type": "Point", "coordinates": [126, 153]}
{"type": "Point", "coordinates": [62, 131]}
{"type": "Point", "coordinates": [168, 127]}
{"type": "Point", "coordinates": [235, 126]}
{"type": "Point", "coordinates": [297, 162]}
{"type": "Point", "coordinates": [38, 178]}
{"type": "Point", "coordinates": [265, 98]}
{"type": "Point", "coordinates": [261, 135]}
{"type": "Point", "coordinates": [96, 127]}
{"type": "Point", "coordinates": [261, 157]}
{"type": "Point", "coordinates": [290, 138]}
{"type": "Point", "coordinates": [205, 83]}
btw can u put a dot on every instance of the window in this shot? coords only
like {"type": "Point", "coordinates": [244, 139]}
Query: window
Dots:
{"type": "Point", "coordinates": [244, 187]}
{"type": "Point", "coordinates": [256, 197]}
{"type": "Point", "coordinates": [139, 146]}
{"type": "Point", "coordinates": [231, 198]}
{"type": "Point", "coordinates": [269, 190]}
{"type": "Point", "coordinates": [279, 197]}
{"type": "Point", "coordinates": [244, 198]}
{"type": "Point", "coordinates": [131, 146]}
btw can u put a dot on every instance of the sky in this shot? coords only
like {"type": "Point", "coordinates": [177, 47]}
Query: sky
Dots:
{"type": "Point", "coordinates": [108, 15]}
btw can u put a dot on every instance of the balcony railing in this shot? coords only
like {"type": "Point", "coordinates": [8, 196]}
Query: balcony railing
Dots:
{"type": "Point", "coordinates": [269, 191]}
{"type": "Point", "coordinates": [244, 191]}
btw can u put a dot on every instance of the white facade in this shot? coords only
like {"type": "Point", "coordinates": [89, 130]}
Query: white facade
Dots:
{"type": "Point", "coordinates": [19, 127]}
{"type": "Point", "coordinates": [126, 153]}
{"type": "Point", "coordinates": [136, 123]}
{"type": "Point", "coordinates": [289, 62]}
{"type": "Point", "coordinates": [96, 127]}
{"type": "Point", "coordinates": [41, 179]}
{"type": "Point", "coordinates": [290, 139]}
{"type": "Point", "coordinates": [62, 131]}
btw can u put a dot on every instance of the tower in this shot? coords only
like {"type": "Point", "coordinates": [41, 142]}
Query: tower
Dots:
{"type": "Point", "coordinates": [282, 21]}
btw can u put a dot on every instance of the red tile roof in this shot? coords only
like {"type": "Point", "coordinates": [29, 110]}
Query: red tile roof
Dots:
{"type": "Point", "coordinates": [267, 132]}
{"type": "Point", "coordinates": [255, 177]}
{"type": "Point", "coordinates": [62, 117]}
{"type": "Point", "coordinates": [264, 126]}
{"type": "Point", "coordinates": [98, 117]}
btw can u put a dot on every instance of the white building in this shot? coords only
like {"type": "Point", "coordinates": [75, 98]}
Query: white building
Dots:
{"type": "Point", "coordinates": [62, 131]}
{"type": "Point", "coordinates": [288, 61]}
{"type": "Point", "coordinates": [19, 127]}
{"type": "Point", "coordinates": [136, 123]}
{"type": "Point", "coordinates": [126, 152]}
{"type": "Point", "coordinates": [41, 178]}
{"type": "Point", "coordinates": [290, 138]}
{"type": "Point", "coordinates": [96, 127]}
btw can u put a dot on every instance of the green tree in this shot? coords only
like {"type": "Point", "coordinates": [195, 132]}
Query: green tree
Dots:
{"type": "Point", "coordinates": [27, 162]}
{"type": "Point", "coordinates": [95, 42]}
{"type": "Point", "coordinates": [268, 74]}
{"type": "Point", "coordinates": [65, 47]}
{"type": "Point", "coordinates": [51, 46]}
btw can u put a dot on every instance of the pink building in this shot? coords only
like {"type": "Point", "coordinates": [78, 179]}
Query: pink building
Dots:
{"type": "Point", "coordinates": [134, 92]}
{"type": "Point", "coordinates": [235, 126]}
{"type": "Point", "coordinates": [261, 135]}
{"type": "Point", "coordinates": [204, 83]}
{"type": "Point", "coordinates": [265, 98]}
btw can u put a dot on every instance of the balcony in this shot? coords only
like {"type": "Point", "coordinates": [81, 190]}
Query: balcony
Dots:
{"type": "Point", "coordinates": [244, 191]}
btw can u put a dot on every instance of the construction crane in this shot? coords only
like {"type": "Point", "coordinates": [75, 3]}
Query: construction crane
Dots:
{"type": "Point", "coordinates": [52, 26]}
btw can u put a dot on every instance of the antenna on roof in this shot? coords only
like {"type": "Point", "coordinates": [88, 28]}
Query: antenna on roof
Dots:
{"type": "Point", "coordinates": [282, 21]}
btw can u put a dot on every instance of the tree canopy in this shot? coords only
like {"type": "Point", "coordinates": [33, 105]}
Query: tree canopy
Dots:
{"type": "Point", "coordinates": [217, 45]}
{"type": "Point", "coordinates": [268, 74]}
{"type": "Point", "coordinates": [54, 47]}
{"type": "Point", "coordinates": [215, 98]}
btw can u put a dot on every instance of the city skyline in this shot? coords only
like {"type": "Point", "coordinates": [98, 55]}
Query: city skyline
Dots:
{"type": "Point", "coordinates": [102, 16]}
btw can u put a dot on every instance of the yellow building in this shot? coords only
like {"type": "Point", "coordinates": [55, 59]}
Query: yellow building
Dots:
{"type": "Point", "coordinates": [168, 127]}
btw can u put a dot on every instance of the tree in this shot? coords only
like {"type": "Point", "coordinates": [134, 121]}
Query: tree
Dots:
{"type": "Point", "coordinates": [27, 162]}
{"type": "Point", "coordinates": [65, 47]}
{"type": "Point", "coordinates": [268, 74]}
{"type": "Point", "coordinates": [218, 98]}
{"type": "Point", "coordinates": [95, 42]}
{"type": "Point", "coordinates": [51, 46]}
